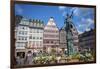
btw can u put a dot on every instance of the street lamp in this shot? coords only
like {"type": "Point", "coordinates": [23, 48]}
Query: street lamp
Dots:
{"type": "Point", "coordinates": [65, 51]}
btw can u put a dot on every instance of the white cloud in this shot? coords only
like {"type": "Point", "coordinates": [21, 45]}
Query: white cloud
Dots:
{"type": "Point", "coordinates": [82, 19]}
{"type": "Point", "coordinates": [87, 29]}
{"type": "Point", "coordinates": [81, 11]}
{"type": "Point", "coordinates": [62, 7]}
{"type": "Point", "coordinates": [64, 13]}
{"type": "Point", "coordinates": [90, 21]}
{"type": "Point", "coordinates": [80, 32]}
{"type": "Point", "coordinates": [80, 25]}
{"type": "Point", "coordinates": [85, 24]}
{"type": "Point", "coordinates": [87, 21]}
{"type": "Point", "coordinates": [76, 11]}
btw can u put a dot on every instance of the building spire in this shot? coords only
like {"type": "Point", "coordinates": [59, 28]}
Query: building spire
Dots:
{"type": "Point", "coordinates": [51, 21]}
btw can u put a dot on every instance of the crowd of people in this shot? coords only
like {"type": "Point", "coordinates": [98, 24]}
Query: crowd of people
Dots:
{"type": "Point", "coordinates": [26, 60]}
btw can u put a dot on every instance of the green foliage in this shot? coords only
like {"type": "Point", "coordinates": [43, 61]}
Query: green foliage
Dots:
{"type": "Point", "coordinates": [76, 56]}
{"type": "Point", "coordinates": [45, 58]}
{"type": "Point", "coordinates": [53, 51]}
{"type": "Point", "coordinates": [63, 57]}
{"type": "Point", "coordinates": [87, 56]}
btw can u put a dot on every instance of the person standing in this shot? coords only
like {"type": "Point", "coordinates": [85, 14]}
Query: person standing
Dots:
{"type": "Point", "coordinates": [18, 60]}
{"type": "Point", "coordinates": [29, 58]}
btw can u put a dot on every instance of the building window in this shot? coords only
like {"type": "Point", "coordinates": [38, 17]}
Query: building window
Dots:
{"type": "Point", "coordinates": [23, 28]}
{"type": "Point", "coordinates": [51, 41]}
{"type": "Point", "coordinates": [40, 37]}
{"type": "Point", "coordinates": [30, 30]}
{"type": "Point", "coordinates": [25, 38]}
{"type": "Point", "coordinates": [22, 33]}
{"type": "Point", "coordinates": [25, 33]}
{"type": "Point", "coordinates": [30, 37]}
{"type": "Point", "coordinates": [37, 37]}
{"type": "Point", "coordinates": [47, 41]}
{"type": "Point", "coordinates": [19, 38]}
{"type": "Point", "coordinates": [33, 37]}
{"type": "Point", "coordinates": [19, 32]}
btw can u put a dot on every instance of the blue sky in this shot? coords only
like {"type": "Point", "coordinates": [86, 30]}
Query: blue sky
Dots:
{"type": "Point", "coordinates": [83, 17]}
